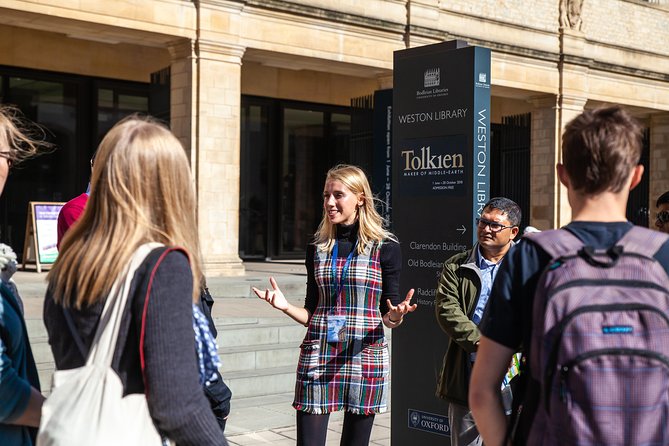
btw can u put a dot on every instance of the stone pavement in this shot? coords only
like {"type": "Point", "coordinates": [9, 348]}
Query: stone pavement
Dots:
{"type": "Point", "coordinates": [253, 421]}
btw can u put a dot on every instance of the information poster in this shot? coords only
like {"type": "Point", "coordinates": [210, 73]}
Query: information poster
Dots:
{"type": "Point", "coordinates": [46, 228]}
{"type": "Point", "coordinates": [440, 164]}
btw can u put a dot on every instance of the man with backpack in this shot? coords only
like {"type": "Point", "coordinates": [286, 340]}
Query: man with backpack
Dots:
{"type": "Point", "coordinates": [588, 306]}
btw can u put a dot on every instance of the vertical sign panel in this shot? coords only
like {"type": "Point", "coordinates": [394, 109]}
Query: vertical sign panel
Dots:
{"type": "Point", "coordinates": [441, 134]}
{"type": "Point", "coordinates": [383, 143]}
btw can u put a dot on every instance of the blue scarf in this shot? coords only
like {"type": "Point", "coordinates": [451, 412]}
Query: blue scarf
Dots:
{"type": "Point", "coordinates": [207, 350]}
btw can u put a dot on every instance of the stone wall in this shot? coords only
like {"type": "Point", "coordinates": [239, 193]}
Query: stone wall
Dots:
{"type": "Point", "coordinates": [629, 24]}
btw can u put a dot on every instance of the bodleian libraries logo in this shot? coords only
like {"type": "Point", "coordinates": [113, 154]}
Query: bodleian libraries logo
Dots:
{"type": "Point", "coordinates": [431, 80]}
{"type": "Point", "coordinates": [482, 81]}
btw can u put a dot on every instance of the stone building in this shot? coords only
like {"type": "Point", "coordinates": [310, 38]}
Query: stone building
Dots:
{"type": "Point", "coordinates": [260, 92]}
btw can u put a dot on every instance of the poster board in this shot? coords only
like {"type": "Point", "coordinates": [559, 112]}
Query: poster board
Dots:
{"type": "Point", "coordinates": [40, 246]}
{"type": "Point", "coordinates": [440, 165]}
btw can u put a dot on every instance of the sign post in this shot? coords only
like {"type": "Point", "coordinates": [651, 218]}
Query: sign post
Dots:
{"type": "Point", "coordinates": [40, 246]}
{"type": "Point", "coordinates": [441, 140]}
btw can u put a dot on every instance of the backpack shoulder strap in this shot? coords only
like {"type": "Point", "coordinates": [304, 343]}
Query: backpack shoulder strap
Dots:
{"type": "Point", "coordinates": [557, 243]}
{"type": "Point", "coordinates": [643, 241]}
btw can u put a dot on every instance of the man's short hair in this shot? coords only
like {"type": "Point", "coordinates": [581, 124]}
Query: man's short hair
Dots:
{"type": "Point", "coordinates": [509, 207]}
{"type": "Point", "coordinates": [600, 148]}
{"type": "Point", "coordinates": [664, 198]}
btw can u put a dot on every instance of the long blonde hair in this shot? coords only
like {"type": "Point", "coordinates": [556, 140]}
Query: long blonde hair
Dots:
{"type": "Point", "coordinates": [370, 222]}
{"type": "Point", "coordinates": [24, 139]}
{"type": "Point", "coordinates": [141, 191]}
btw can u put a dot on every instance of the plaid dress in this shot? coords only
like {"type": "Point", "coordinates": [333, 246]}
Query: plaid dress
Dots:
{"type": "Point", "coordinates": [351, 375]}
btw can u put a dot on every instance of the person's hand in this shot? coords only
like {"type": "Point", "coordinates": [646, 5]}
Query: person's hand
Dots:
{"type": "Point", "coordinates": [6, 255]}
{"type": "Point", "coordinates": [7, 262]}
{"type": "Point", "coordinates": [8, 271]}
{"type": "Point", "coordinates": [396, 313]}
{"type": "Point", "coordinates": [275, 297]}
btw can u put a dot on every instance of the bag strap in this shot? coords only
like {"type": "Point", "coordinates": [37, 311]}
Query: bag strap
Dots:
{"type": "Point", "coordinates": [75, 334]}
{"type": "Point", "coordinates": [643, 241]}
{"type": "Point", "coordinates": [557, 242]}
{"type": "Point", "coordinates": [142, 332]}
{"type": "Point", "coordinates": [106, 335]}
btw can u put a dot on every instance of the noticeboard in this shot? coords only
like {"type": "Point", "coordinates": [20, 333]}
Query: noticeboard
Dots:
{"type": "Point", "coordinates": [40, 245]}
{"type": "Point", "coordinates": [440, 165]}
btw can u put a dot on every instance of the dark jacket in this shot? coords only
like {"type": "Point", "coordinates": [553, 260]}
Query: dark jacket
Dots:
{"type": "Point", "coordinates": [457, 295]}
{"type": "Point", "coordinates": [18, 372]}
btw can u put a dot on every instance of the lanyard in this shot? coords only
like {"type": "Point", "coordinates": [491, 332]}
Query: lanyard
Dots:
{"type": "Point", "coordinates": [340, 283]}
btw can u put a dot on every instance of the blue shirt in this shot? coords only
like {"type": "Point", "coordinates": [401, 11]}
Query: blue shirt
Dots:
{"type": "Point", "coordinates": [488, 272]}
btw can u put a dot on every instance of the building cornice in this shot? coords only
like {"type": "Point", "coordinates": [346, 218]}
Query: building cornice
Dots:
{"type": "Point", "coordinates": [325, 14]}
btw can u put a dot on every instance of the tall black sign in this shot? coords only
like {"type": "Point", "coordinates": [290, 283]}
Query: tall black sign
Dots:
{"type": "Point", "coordinates": [441, 141]}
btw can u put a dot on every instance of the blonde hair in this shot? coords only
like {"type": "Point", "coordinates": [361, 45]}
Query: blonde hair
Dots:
{"type": "Point", "coordinates": [141, 191]}
{"type": "Point", "coordinates": [19, 135]}
{"type": "Point", "coordinates": [370, 222]}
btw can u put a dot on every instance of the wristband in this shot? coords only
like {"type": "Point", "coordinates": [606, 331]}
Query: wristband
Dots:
{"type": "Point", "coordinates": [394, 322]}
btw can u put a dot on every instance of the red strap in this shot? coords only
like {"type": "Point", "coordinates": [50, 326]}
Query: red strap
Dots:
{"type": "Point", "coordinates": [146, 307]}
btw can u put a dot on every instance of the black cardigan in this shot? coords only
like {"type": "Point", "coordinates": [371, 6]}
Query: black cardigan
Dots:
{"type": "Point", "coordinates": [177, 403]}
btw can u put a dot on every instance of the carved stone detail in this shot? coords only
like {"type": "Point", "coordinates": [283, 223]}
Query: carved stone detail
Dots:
{"type": "Point", "coordinates": [570, 14]}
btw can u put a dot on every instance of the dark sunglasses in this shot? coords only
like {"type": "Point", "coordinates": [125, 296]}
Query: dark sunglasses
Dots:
{"type": "Point", "coordinates": [663, 217]}
{"type": "Point", "coordinates": [493, 225]}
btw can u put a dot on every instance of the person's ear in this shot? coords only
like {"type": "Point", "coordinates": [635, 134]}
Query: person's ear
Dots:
{"type": "Point", "coordinates": [514, 232]}
{"type": "Point", "coordinates": [637, 174]}
{"type": "Point", "coordinates": [562, 175]}
{"type": "Point", "coordinates": [361, 200]}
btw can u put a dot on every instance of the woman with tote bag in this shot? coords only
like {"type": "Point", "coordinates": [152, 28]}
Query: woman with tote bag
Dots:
{"type": "Point", "coordinates": [137, 240]}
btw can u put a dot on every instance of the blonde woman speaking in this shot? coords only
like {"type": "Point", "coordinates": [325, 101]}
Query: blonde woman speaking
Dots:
{"type": "Point", "coordinates": [353, 269]}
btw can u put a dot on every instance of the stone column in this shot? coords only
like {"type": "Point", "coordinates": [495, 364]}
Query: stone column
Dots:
{"type": "Point", "coordinates": [659, 160]}
{"type": "Point", "coordinates": [183, 98]}
{"type": "Point", "coordinates": [543, 157]}
{"type": "Point", "coordinates": [568, 108]}
{"type": "Point", "coordinates": [205, 107]}
{"type": "Point", "coordinates": [574, 87]}
{"type": "Point", "coordinates": [219, 112]}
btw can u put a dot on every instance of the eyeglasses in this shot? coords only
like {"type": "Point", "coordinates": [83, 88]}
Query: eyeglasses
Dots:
{"type": "Point", "coordinates": [9, 157]}
{"type": "Point", "coordinates": [663, 217]}
{"type": "Point", "coordinates": [493, 225]}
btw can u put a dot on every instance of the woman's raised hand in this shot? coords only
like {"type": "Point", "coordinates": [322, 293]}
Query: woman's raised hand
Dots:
{"type": "Point", "coordinates": [396, 313]}
{"type": "Point", "coordinates": [274, 297]}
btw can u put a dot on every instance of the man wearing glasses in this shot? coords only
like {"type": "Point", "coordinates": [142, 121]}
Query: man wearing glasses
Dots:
{"type": "Point", "coordinates": [462, 294]}
{"type": "Point", "coordinates": [662, 220]}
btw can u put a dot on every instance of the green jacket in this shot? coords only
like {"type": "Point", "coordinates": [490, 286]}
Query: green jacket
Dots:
{"type": "Point", "coordinates": [457, 295]}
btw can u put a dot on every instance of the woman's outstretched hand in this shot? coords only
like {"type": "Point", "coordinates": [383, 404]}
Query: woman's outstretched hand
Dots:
{"type": "Point", "coordinates": [274, 297]}
{"type": "Point", "coordinates": [396, 313]}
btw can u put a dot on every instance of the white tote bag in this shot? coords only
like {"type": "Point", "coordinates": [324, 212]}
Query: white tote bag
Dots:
{"type": "Point", "coordinates": [86, 406]}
